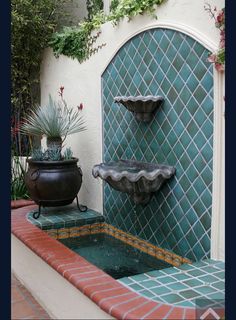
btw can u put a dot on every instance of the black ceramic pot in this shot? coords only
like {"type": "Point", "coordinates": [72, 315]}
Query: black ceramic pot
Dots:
{"type": "Point", "coordinates": [53, 183]}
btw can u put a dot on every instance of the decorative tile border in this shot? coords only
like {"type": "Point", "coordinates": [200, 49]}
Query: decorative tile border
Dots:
{"type": "Point", "coordinates": [140, 244]}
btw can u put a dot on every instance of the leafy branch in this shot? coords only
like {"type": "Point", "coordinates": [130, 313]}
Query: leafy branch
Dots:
{"type": "Point", "coordinates": [79, 42]}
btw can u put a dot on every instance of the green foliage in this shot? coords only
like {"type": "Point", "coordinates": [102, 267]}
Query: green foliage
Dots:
{"type": "Point", "coordinates": [114, 5]}
{"type": "Point", "coordinates": [54, 119]}
{"type": "Point", "coordinates": [32, 25]}
{"type": "Point", "coordinates": [18, 187]}
{"type": "Point", "coordinates": [78, 42]}
{"type": "Point", "coordinates": [52, 154]}
{"type": "Point", "coordinates": [93, 7]}
{"type": "Point", "coordinates": [132, 8]}
{"type": "Point", "coordinates": [68, 154]}
{"type": "Point", "coordinates": [37, 154]}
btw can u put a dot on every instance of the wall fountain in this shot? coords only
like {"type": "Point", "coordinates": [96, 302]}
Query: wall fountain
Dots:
{"type": "Point", "coordinates": [139, 179]}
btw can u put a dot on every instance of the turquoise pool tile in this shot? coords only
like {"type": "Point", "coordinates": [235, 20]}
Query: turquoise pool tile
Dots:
{"type": "Point", "coordinates": [220, 285]}
{"type": "Point", "coordinates": [160, 290]}
{"type": "Point", "coordinates": [140, 277]}
{"type": "Point", "coordinates": [126, 281]}
{"type": "Point", "coordinates": [189, 294]}
{"type": "Point", "coordinates": [154, 274]}
{"type": "Point", "coordinates": [208, 278]}
{"type": "Point", "coordinates": [181, 276]}
{"type": "Point", "coordinates": [149, 283]}
{"type": "Point", "coordinates": [172, 298]}
{"type": "Point", "coordinates": [210, 269]}
{"type": "Point", "coordinates": [186, 267]}
{"type": "Point", "coordinates": [172, 270]}
{"type": "Point", "coordinates": [216, 296]}
{"type": "Point", "coordinates": [135, 287]}
{"type": "Point", "coordinates": [220, 275]}
{"type": "Point", "coordinates": [218, 264]}
{"type": "Point", "coordinates": [147, 293]}
{"type": "Point", "coordinates": [186, 304]}
{"type": "Point", "coordinates": [205, 290]}
{"type": "Point", "coordinates": [193, 283]}
{"type": "Point", "coordinates": [178, 286]}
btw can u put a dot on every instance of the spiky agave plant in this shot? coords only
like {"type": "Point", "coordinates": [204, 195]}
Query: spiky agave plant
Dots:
{"type": "Point", "coordinates": [55, 120]}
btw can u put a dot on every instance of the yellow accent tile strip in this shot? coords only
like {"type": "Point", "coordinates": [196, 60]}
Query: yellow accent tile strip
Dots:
{"type": "Point", "coordinates": [142, 245]}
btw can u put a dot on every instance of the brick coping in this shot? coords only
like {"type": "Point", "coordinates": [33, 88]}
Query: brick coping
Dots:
{"type": "Point", "coordinates": [110, 295]}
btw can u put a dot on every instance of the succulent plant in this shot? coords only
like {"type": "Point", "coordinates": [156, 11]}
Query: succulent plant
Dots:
{"type": "Point", "coordinates": [55, 120]}
{"type": "Point", "coordinates": [68, 154]}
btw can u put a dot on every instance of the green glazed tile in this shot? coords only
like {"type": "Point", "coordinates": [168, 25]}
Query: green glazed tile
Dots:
{"type": "Point", "coordinates": [135, 286]}
{"type": "Point", "coordinates": [146, 293]}
{"type": "Point", "coordinates": [188, 294]}
{"type": "Point", "coordinates": [126, 281]}
{"type": "Point", "coordinates": [160, 290]}
{"type": "Point", "coordinates": [208, 278]}
{"type": "Point", "coordinates": [220, 285]}
{"type": "Point", "coordinates": [193, 282]}
{"type": "Point", "coordinates": [149, 283]}
{"type": "Point", "coordinates": [177, 286]}
{"type": "Point", "coordinates": [172, 298]}
{"type": "Point", "coordinates": [192, 96]}
{"type": "Point", "coordinates": [205, 290]}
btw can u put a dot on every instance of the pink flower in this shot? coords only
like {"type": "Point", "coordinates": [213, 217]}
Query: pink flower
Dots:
{"type": "Point", "coordinates": [221, 17]}
{"type": "Point", "coordinates": [212, 58]}
{"type": "Point", "coordinates": [219, 67]}
{"type": "Point", "coordinates": [222, 39]}
{"type": "Point", "coordinates": [222, 43]}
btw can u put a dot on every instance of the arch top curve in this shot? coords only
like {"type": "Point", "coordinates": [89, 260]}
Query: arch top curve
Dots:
{"type": "Point", "coordinates": [193, 33]}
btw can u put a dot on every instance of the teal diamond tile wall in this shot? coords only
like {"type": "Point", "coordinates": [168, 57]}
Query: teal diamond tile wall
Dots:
{"type": "Point", "coordinates": [171, 64]}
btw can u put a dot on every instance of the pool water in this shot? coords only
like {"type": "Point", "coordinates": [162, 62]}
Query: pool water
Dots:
{"type": "Point", "coordinates": [113, 256]}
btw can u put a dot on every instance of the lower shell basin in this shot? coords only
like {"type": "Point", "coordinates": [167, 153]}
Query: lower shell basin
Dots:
{"type": "Point", "coordinates": [139, 179]}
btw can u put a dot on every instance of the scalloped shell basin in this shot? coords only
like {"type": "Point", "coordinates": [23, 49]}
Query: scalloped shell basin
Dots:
{"type": "Point", "coordinates": [143, 107]}
{"type": "Point", "coordinates": [139, 179]}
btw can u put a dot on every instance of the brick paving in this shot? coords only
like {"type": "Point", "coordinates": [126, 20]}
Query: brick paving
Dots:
{"type": "Point", "coordinates": [23, 304]}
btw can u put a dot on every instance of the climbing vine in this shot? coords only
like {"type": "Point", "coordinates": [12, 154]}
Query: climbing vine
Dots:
{"type": "Point", "coordinates": [79, 42]}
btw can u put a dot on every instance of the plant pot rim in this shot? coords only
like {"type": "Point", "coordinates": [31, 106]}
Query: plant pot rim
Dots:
{"type": "Point", "coordinates": [46, 162]}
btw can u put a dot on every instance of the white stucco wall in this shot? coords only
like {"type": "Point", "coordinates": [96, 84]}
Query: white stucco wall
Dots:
{"type": "Point", "coordinates": [82, 83]}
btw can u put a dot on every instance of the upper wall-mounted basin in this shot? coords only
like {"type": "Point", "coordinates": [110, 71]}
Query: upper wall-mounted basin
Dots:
{"type": "Point", "coordinates": [139, 179]}
{"type": "Point", "coordinates": [143, 107]}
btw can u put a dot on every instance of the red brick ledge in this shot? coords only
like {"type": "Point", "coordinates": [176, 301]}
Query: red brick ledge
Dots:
{"type": "Point", "coordinates": [106, 292]}
{"type": "Point", "coordinates": [15, 204]}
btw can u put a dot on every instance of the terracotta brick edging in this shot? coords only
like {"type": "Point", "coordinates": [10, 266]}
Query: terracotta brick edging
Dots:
{"type": "Point", "coordinates": [15, 204]}
{"type": "Point", "coordinates": [111, 296]}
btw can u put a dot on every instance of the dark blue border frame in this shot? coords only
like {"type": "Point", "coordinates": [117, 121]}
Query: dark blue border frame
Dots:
{"type": "Point", "coordinates": [230, 158]}
{"type": "Point", "coordinates": [5, 55]}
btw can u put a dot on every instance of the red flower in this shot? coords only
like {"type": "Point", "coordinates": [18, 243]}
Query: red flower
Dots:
{"type": "Point", "coordinates": [61, 89]}
{"type": "Point", "coordinates": [80, 107]}
{"type": "Point", "coordinates": [16, 127]}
